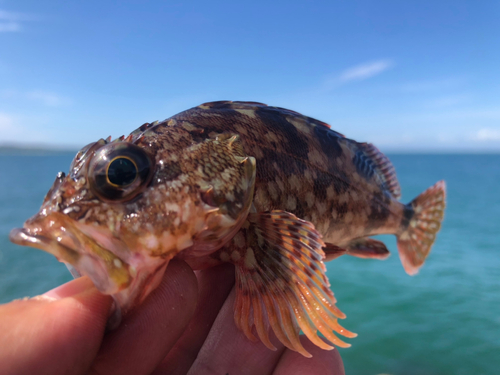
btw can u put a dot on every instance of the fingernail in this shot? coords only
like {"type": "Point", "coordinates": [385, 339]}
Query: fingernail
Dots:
{"type": "Point", "coordinates": [69, 289]}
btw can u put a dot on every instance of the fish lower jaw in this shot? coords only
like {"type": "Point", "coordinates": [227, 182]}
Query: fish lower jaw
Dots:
{"type": "Point", "coordinates": [129, 283]}
{"type": "Point", "coordinates": [108, 275]}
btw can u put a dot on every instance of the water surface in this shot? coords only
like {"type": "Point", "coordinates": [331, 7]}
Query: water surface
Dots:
{"type": "Point", "coordinates": [445, 320]}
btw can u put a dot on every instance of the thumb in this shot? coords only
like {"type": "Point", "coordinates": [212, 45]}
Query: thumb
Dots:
{"type": "Point", "coordinates": [55, 333]}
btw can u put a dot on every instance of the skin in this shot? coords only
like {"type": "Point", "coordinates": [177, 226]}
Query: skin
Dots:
{"type": "Point", "coordinates": [63, 332]}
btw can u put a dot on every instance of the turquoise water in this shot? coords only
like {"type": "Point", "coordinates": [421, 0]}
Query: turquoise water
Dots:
{"type": "Point", "coordinates": [445, 320]}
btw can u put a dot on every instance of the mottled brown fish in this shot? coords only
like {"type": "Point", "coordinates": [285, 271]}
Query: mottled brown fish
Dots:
{"type": "Point", "coordinates": [265, 188]}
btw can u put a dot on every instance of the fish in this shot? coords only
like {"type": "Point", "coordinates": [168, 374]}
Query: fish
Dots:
{"type": "Point", "coordinates": [273, 192]}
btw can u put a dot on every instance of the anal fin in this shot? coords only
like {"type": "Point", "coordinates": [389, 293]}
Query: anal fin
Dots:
{"type": "Point", "coordinates": [281, 282]}
{"type": "Point", "coordinates": [364, 247]}
{"type": "Point", "coordinates": [333, 251]}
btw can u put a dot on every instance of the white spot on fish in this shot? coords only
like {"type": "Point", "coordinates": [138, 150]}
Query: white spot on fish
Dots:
{"type": "Point", "coordinates": [250, 258]}
{"type": "Point", "coordinates": [247, 112]}
{"type": "Point", "coordinates": [271, 137]}
{"type": "Point", "coordinates": [318, 158]}
{"type": "Point", "coordinates": [272, 189]}
{"type": "Point", "coordinates": [321, 207]}
{"type": "Point", "coordinates": [188, 126]}
{"type": "Point", "coordinates": [330, 192]}
{"type": "Point", "coordinates": [310, 198]}
{"type": "Point", "coordinates": [239, 240]}
{"type": "Point", "coordinates": [184, 241]}
{"type": "Point", "coordinates": [291, 203]}
{"type": "Point", "coordinates": [235, 256]}
{"type": "Point", "coordinates": [354, 195]}
{"type": "Point", "coordinates": [150, 242]}
{"type": "Point", "coordinates": [294, 182]}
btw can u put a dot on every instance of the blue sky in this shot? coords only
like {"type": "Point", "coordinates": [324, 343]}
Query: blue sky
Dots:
{"type": "Point", "coordinates": [404, 75]}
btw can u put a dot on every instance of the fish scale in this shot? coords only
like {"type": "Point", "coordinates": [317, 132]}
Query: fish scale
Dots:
{"type": "Point", "coordinates": [265, 188]}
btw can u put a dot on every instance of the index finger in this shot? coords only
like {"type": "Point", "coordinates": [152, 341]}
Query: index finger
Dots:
{"type": "Point", "coordinates": [147, 334]}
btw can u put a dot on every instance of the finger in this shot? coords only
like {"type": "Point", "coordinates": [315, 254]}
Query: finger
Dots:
{"type": "Point", "coordinates": [147, 334]}
{"type": "Point", "coordinates": [214, 285]}
{"type": "Point", "coordinates": [228, 350]}
{"type": "Point", "coordinates": [325, 362]}
{"type": "Point", "coordinates": [58, 333]}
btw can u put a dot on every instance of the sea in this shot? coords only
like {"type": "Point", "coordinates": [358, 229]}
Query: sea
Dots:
{"type": "Point", "coordinates": [444, 320]}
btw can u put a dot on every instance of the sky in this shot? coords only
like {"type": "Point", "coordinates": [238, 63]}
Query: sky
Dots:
{"type": "Point", "coordinates": [408, 76]}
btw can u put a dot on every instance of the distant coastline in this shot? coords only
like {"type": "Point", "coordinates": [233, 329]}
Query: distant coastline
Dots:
{"type": "Point", "coordinates": [34, 150]}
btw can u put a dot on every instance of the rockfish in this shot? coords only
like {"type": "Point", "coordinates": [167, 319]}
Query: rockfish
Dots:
{"type": "Point", "coordinates": [267, 189]}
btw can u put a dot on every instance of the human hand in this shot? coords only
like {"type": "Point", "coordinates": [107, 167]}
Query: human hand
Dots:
{"type": "Point", "coordinates": [63, 332]}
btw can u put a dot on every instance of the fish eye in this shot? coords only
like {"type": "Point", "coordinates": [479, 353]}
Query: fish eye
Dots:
{"type": "Point", "coordinates": [119, 171]}
{"type": "Point", "coordinates": [122, 171]}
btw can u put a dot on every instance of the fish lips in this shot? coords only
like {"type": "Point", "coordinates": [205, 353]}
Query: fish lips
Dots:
{"type": "Point", "coordinates": [57, 235]}
{"type": "Point", "coordinates": [127, 282]}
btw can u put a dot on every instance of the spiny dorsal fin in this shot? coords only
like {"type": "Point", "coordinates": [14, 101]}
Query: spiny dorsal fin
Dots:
{"type": "Point", "coordinates": [383, 168]}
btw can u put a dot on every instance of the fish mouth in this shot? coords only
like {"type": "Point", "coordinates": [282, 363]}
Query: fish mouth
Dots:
{"type": "Point", "coordinates": [109, 263]}
{"type": "Point", "coordinates": [63, 239]}
{"type": "Point", "coordinates": [24, 237]}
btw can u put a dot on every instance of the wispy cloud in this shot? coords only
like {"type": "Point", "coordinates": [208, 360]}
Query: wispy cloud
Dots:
{"type": "Point", "coordinates": [47, 98]}
{"type": "Point", "coordinates": [11, 21]}
{"type": "Point", "coordinates": [6, 122]}
{"type": "Point", "coordinates": [356, 73]}
{"type": "Point", "coordinates": [18, 129]}
{"type": "Point", "coordinates": [10, 128]}
{"type": "Point", "coordinates": [365, 71]}
{"type": "Point", "coordinates": [487, 134]}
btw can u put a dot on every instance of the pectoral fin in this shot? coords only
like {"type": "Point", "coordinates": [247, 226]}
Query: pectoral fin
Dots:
{"type": "Point", "coordinates": [281, 282]}
{"type": "Point", "coordinates": [365, 247]}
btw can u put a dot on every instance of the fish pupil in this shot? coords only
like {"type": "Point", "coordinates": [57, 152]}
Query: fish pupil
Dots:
{"type": "Point", "coordinates": [122, 172]}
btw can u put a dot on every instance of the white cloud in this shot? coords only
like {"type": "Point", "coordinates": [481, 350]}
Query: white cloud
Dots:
{"type": "Point", "coordinates": [10, 129]}
{"type": "Point", "coordinates": [6, 27]}
{"type": "Point", "coordinates": [47, 98]}
{"type": "Point", "coordinates": [365, 71]}
{"type": "Point", "coordinates": [487, 134]}
{"type": "Point", "coordinates": [11, 21]}
{"type": "Point", "coordinates": [6, 122]}
{"type": "Point", "coordinates": [19, 129]}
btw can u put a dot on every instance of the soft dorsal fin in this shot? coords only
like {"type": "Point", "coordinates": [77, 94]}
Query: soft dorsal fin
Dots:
{"type": "Point", "coordinates": [382, 167]}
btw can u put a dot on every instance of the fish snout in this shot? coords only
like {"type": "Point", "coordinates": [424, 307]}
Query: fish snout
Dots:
{"type": "Point", "coordinates": [115, 269]}
{"type": "Point", "coordinates": [55, 234]}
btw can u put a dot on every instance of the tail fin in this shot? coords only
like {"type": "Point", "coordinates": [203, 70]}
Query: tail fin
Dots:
{"type": "Point", "coordinates": [414, 243]}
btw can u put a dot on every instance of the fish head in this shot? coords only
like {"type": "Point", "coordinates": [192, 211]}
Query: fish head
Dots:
{"type": "Point", "coordinates": [126, 208]}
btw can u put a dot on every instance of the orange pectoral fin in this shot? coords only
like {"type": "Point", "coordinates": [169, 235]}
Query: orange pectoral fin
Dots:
{"type": "Point", "coordinates": [281, 282]}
